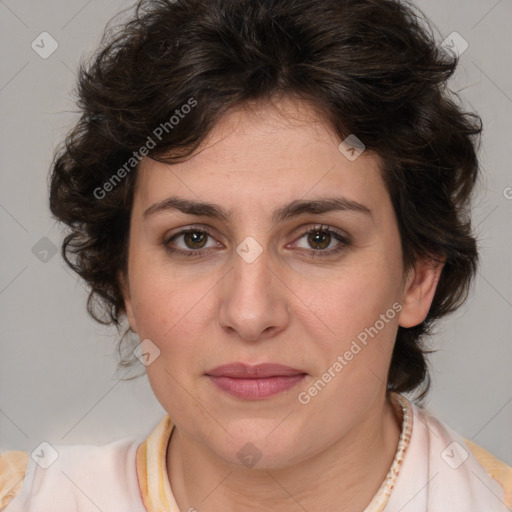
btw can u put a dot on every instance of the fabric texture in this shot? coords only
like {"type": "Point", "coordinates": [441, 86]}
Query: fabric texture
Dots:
{"type": "Point", "coordinates": [434, 470]}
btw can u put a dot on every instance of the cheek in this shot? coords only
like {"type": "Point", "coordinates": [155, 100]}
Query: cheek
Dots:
{"type": "Point", "coordinates": [172, 316]}
{"type": "Point", "coordinates": [352, 343]}
{"type": "Point", "coordinates": [165, 310]}
{"type": "Point", "coordinates": [353, 299]}
{"type": "Point", "coordinates": [355, 318]}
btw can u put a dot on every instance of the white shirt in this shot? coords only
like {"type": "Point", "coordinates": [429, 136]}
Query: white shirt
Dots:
{"type": "Point", "coordinates": [434, 470]}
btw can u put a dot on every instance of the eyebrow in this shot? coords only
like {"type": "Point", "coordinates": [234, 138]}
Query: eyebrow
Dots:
{"type": "Point", "coordinates": [293, 209]}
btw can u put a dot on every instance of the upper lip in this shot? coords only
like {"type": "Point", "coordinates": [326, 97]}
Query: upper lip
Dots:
{"type": "Point", "coordinates": [258, 371]}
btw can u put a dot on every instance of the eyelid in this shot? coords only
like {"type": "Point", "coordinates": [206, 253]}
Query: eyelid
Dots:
{"type": "Point", "coordinates": [190, 228]}
{"type": "Point", "coordinates": [324, 227]}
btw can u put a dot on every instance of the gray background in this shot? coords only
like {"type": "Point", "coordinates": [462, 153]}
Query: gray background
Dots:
{"type": "Point", "coordinates": [58, 379]}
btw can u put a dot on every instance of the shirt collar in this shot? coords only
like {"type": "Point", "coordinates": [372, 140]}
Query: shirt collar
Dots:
{"type": "Point", "coordinates": [154, 486]}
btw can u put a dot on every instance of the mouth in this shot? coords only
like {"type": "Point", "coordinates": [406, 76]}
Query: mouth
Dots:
{"type": "Point", "coordinates": [255, 382]}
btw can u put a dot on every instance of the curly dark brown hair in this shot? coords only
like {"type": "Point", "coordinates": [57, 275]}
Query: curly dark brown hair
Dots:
{"type": "Point", "coordinates": [369, 67]}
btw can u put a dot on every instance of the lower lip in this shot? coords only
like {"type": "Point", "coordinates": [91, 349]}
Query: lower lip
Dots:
{"type": "Point", "coordinates": [254, 389]}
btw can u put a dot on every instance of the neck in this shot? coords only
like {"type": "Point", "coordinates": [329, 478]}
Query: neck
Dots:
{"type": "Point", "coordinates": [343, 478]}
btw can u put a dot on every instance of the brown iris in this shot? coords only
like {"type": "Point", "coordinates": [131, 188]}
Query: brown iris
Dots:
{"type": "Point", "coordinates": [196, 238]}
{"type": "Point", "coordinates": [319, 238]}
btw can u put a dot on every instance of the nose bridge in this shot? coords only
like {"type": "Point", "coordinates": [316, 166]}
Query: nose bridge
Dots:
{"type": "Point", "coordinates": [253, 302]}
{"type": "Point", "coordinates": [252, 276]}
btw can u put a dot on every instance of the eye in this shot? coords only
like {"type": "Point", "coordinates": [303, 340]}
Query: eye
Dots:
{"type": "Point", "coordinates": [323, 241]}
{"type": "Point", "coordinates": [190, 242]}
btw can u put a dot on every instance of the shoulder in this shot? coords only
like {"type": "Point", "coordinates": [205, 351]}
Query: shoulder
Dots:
{"type": "Point", "coordinates": [108, 472]}
{"type": "Point", "coordinates": [497, 469]}
{"type": "Point", "coordinates": [13, 465]}
{"type": "Point", "coordinates": [464, 461]}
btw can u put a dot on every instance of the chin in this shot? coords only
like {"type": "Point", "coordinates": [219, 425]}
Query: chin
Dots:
{"type": "Point", "coordinates": [260, 448]}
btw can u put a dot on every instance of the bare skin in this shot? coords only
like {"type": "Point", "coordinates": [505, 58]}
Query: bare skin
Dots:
{"type": "Point", "coordinates": [286, 306]}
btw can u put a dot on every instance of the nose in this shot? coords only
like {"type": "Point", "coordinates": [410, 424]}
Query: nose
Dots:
{"type": "Point", "coordinates": [254, 301]}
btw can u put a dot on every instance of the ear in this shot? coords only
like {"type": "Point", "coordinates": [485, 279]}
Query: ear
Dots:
{"type": "Point", "coordinates": [125, 290]}
{"type": "Point", "coordinates": [420, 287]}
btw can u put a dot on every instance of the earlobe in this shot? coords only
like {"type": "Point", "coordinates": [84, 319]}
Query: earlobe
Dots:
{"type": "Point", "coordinates": [419, 291]}
{"type": "Point", "coordinates": [125, 290]}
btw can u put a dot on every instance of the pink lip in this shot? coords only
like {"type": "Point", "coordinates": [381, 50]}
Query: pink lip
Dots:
{"type": "Point", "coordinates": [258, 371]}
{"type": "Point", "coordinates": [255, 382]}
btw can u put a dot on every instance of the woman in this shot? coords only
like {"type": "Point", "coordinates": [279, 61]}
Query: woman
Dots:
{"type": "Point", "coordinates": [274, 195]}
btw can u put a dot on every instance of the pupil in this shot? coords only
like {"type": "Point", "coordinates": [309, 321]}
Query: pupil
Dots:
{"type": "Point", "coordinates": [195, 238]}
{"type": "Point", "coordinates": [321, 238]}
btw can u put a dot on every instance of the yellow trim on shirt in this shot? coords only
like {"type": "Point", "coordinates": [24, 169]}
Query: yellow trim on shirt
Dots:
{"type": "Point", "coordinates": [499, 470]}
{"type": "Point", "coordinates": [152, 468]}
{"type": "Point", "coordinates": [12, 473]}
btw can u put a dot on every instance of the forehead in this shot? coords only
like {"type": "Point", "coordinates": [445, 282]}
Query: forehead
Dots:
{"type": "Point", "coordinates": [263, 155]}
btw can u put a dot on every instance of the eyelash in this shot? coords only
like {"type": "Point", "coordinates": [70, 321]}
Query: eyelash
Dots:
{"type": "Point", "coordinates": [344, 242]}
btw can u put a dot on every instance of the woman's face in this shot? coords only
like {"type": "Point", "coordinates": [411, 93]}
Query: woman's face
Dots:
{"type": "Point", "coordinates": [260, 289]}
